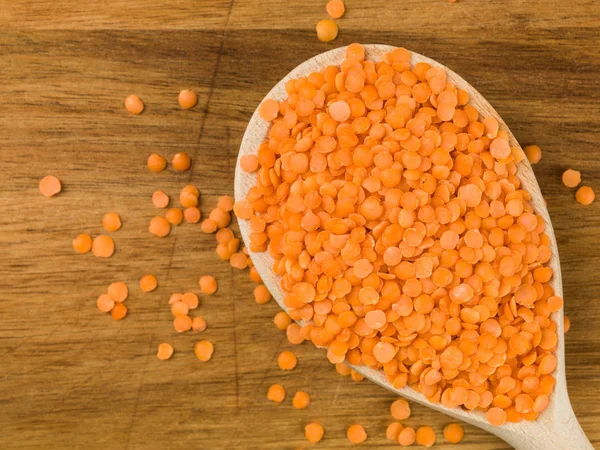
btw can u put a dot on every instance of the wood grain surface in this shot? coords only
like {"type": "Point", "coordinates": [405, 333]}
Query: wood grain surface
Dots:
{"type": "Point", "coordinates": [71, 377]}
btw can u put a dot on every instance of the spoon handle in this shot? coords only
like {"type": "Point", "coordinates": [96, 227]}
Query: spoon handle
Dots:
{"type": "Point", "coordinates": [562, 434]}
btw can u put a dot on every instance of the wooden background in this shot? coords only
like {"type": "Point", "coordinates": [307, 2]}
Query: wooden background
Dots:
{"type": "Point", "coordinates": [70, 377]}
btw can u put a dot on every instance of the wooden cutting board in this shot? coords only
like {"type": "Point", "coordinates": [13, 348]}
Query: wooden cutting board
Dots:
{"type": "Point", "coordinates": [71, 377]}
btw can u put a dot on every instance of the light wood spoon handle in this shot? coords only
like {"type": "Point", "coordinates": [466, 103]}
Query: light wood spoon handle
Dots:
{"type": "Point", "coordinates": [557, 427]}
{"type": "Point", "coordinates": [565, 433]}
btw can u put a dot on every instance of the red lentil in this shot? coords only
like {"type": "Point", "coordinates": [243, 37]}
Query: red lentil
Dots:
{"type": "Point", "coordinates": [119, 311]}
{"type": "Point", "coordinates": [204, 350]}
{"type": "Point", "coordinates": [571, 178]}
{"type": "Point", "coordinates": [533, 153]}
{"type": "Point", "coordinates": [208, 284]}
{"type": "Point", "coordinates": [134, 105]}
{"type": "Point", "coordinates": [148, 283]}
{"type": "Point", "coordinates": [287, 360]}
{"type": "Point", "coordinates": [585, 195]}
{"type": "Point", "coordinates": [276, 393]}
{"type": "Point", "coordinates": [335, 8]}
{"type": "Point", "coordinates": [82, 243]}
{"type": "Point", "coordinates": [356, 434]}
{"type": "Point", "coordinates": [160, 199]}
{"type": "Point", "coordinates": [181, 161]}
{"type": "Point", "coordinates": [103, 246]}
{"type": "Point", "coordinates": [174, 216]}
{"type": "Point", "coordinates": [187, 99]}
{"type": "Point", "coordinates": [111, 221]}
{"type": "Point", "coordinates": [50, 186]}
{"type": "Point", "coordinates": [425, 436]}
{"type": "Point", "coordinates": [327, 30]}
{"type": "Point", "coordinates": [165, 351]}
{"type": "Point", "coordinates": [301, 400]}
{"type": "Point", "coordinates": [156, 163]}
{"type": "Point", "coordinates": [454, 433]}
{"type": "Point", "coordinates": [313, 432]}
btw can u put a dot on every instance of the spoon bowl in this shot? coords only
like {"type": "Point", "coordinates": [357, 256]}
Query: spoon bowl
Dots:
{"type": "Point", "coordinates": [556, 427]}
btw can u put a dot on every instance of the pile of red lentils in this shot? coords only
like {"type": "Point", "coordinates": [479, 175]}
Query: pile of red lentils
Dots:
{"type": "Point", "coordinates": [401, 232]}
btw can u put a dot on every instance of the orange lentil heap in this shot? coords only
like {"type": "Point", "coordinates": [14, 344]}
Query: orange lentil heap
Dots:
{"type": "Point", "coordinates": [400, 230]}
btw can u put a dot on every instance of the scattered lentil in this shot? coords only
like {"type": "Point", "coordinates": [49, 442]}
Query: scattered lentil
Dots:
{"type": "Point", "coordinates": [134, 104]}
{"type": "Point", "coordinates": [393, 431]}
{"type": "Point", "coordinates": [225, 203]}
{"type": "Point", "coordinates": [103, 246]}
{"type": "Point", "coordinates": [165, 351]}
{"type": "Point", "coordinates": [111, 221]}
{"type": "Point", "coordinates": [192, 214]}
{"type": "Point", "coordinates": [187, 99]}
{"type": "Point", "coordinates": [356, 434]}
{"type": "Point", "coordinates": [425, 436]}
{"type": "Point", "coordinates": [208, 284]}
{"type": "Point", "coordinates": [454, 433]}
{"type": "Point", "coordinates": [301, 400]}
{"type": "Point", "coordinates": [204, 350]}
{"type": "Point", "coordinates": [276, 393]}
{"type": "Point", "coordinates": [282, 320]}
{"type": "Point", "coordinates": [343, 369]}
{"type": "Point", "coordinates": [198, 324]}
{"type": "Point", "coordinates": [287, 360]}
{"type": "Point", "coordinates": [327, 30]}
{"type": "Point", "coordinates": [254, 275]}
{"type": "Point", "coordinates": [585, 195]}
{"type": "Point", "coordinates": [181, 161]}
{"type": "Point", "coordinates": [313, 432]}
{"type": "Point", "coordinates": [567, 324]}
{"type": "Point", "coordinates": [400, 409]}
{"type": "Point", "coordinates": [407, 437]}
{"type": "Point", "coordinates": [208, 226]}
{"type": "Point", "coordinates": [160, 199]}
{"type": "Point", "coordinates": [261, 294]}
{"type": "Point", "coordinates": [50, 186]}
{"type": "Point", "coordinates": [118, 291]}
{"type": "Point", "coordinates": [571, 178]}
{"type": "Point", "coordinates": [191, 300]}
{"type": "Point", "coordinates": [105, 303]}
{"type": "Point", "coordinates": [156, 163]}
{"type": "Point", "coordinates": [183, 323]}
{"type": "Point", "coordinates": [159, 226]}
{"type": "Point", "coordinates": [533, 153]}
{"type": "Point", "coordinates": [174, 216]}
{"type": "Point", "coordinates": [148, 283]}
{"type": "Point", "coordinates": [82, 243]}
{"type": "Point", "coordinates": [335, 8]}
{"type": "Point", "coordinates": [119, 311]}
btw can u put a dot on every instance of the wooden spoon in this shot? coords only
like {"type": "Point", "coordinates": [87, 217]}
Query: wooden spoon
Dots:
{"type": "Point", "coordinates": [555, 428]}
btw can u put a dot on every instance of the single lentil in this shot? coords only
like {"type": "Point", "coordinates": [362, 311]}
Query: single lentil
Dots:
{"type": "Point", "coordinates": [50, 186]}
{"type": "Point", "coordinates": [111, 221]}
{"type": "Point", "coordinates": [165, 351]}
{"type": "Point", "coordinates": [204, 350]}
{"type": "Point", "coordinates": [454, 433]}
{"type": "Point", "coordinates": [571, 178]}
{"type": "Point", "coordinates": [327, 30]}
{"type": "Point", "coordinates": [82, 243]}
{"type": "Point", "coordinates": [187, 99]}
{"type": "Point", "coordinates": [134, 104]}
{"type": "Point", "coordinates": [585, 195]}
{"type": "Point", "coordinates": [356, 434]}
